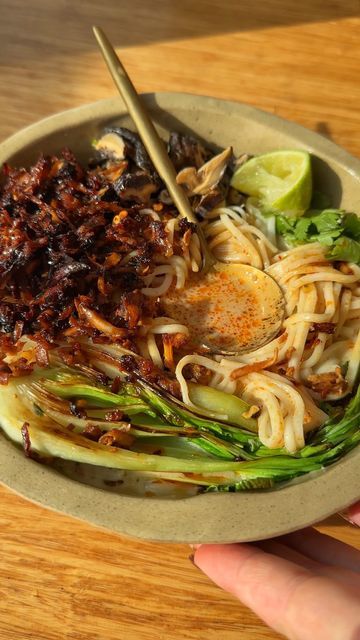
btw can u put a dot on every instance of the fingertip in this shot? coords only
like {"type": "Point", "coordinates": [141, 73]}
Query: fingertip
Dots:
{"type": "Point", "coordinates": [222, 563]}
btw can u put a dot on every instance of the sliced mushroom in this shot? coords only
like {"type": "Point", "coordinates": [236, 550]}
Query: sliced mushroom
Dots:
{"type": "Point", "coordinates": [242, 159]}
{"type": "Point", "coordinates": [210, 201]}
{"type": "Point", "coordinates": [118, 144]}
{"type": "Point", "coordinates": [185, 151]}
{"type": "Point", "coordinates": [111, 146]}
{"type": "Point", "coordinates": [189, 180]}
{"type": "Point", "coordinates": [138, 186]}
{"type": "Point", "coordinates": [201, 181]}
{"type": "Point", "coordinates": [134, 148]}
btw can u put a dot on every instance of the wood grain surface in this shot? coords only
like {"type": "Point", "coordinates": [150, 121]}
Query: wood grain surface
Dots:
{"type": "Point", "coordinates": [60, 578]}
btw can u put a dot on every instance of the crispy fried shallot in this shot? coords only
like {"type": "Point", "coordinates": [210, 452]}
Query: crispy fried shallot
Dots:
{"type": "Point", "coordinates": [74, 248]}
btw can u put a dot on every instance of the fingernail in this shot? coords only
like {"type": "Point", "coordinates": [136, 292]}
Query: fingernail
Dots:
{"type": "Point", "coordinates": [195, 546]}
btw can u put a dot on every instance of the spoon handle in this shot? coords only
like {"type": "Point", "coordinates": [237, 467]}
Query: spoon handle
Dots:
{"type": "Point", "coordinates": [149, 136]}
{"type": "Point", "coordinates": [145, 127]}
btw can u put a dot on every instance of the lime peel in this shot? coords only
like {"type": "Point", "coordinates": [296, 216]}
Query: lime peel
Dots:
{"type": "Point", "coordinates": [280, 180]}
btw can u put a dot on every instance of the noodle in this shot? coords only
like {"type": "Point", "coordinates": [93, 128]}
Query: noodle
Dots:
{"type": "Point", "coordinates": [321, 331]}
{"type": "Point", "coordinates": [233, 239]}
{"type": "Point", "coordinates": [175, 268]}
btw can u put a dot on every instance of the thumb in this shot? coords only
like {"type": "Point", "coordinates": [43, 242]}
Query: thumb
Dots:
{"type": "Point", "coordinates": [288, 597]}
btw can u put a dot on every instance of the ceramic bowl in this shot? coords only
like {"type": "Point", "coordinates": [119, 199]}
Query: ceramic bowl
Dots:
{"type": "Point", "coordinates": [209, 517]}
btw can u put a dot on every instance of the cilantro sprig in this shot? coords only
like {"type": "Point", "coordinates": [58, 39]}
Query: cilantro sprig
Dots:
{"type": "Point", "coordinates": [335, 229]}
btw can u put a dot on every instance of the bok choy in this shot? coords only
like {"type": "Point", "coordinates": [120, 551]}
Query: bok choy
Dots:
{"type": "Point", "coordinates": [67, 415]}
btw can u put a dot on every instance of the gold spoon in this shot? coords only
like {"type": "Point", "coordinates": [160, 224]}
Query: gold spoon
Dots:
{"type": "Point", "coordinates": [229, 309]}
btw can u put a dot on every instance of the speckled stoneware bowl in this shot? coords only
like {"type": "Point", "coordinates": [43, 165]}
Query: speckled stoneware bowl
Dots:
{"type": "Point", "coordinates": [209, 517]}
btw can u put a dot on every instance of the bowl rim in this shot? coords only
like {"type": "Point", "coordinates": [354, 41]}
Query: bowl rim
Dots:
{"type": "Point", "coordinates": [201, 518]}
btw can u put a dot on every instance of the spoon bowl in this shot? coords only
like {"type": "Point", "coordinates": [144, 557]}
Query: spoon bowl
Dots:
{"type": "Point", "coordinates": [229, 310]}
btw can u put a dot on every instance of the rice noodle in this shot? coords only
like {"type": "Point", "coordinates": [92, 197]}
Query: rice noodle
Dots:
{"type": "Point", "coordinates": [321, 330]}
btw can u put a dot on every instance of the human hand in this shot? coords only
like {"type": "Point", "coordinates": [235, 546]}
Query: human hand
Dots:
{"type": "Point", "coordinates": [304, 585]}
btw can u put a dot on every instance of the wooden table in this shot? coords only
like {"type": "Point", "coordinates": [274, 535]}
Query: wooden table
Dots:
{"type": "Point", "coordinates": [59, 578]}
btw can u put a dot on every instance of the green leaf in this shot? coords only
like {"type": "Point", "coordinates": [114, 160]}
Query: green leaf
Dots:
{"type": "Point", "coordinates": [302, 229]}
{"type": "Point", "coordinates": [243, 485]}
{"type": "Point", "coordinates": [337, 430]}
{"type": "Point", "coordinates": [171, 446]}
{"type": "Point", "coordinates": [217, 448]}
{"type": "Point", "coordinates": [351, 224]}
{"type": "Point", "coordinates": [327, 221]}
{"type": "Point", "coordinates": [97, 396]}
{"type": "Point", "coordinates": [85, 391]}
{"type": "Point", "coordinates": [353, 408]}
{"type": "Point", "coordinates": [333, 228]}
{"type": "Point", "coordinates": [285, 226]}
{"type": "Point", "coordinates": [327, 239]}
{"type": "Point", "coordinates": [345, 249]}
{"type": "Point", "coordinates": [176, 413]}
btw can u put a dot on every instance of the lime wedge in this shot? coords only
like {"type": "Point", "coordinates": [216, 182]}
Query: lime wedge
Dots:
{"type": "Point", "coordinates": [280, 181]}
